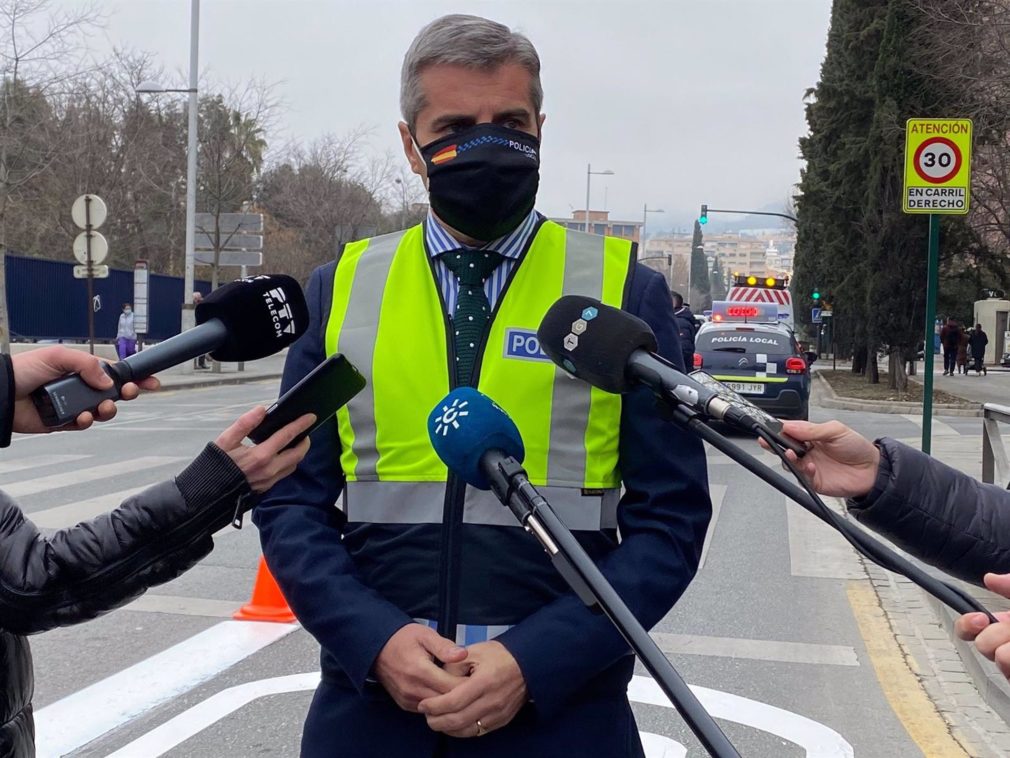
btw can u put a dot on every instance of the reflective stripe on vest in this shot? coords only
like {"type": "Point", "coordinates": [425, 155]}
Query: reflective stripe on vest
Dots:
{"type": "Point", "coordinates": [388, 318]}
{"type": "Point", "coordinates": [384, 503]}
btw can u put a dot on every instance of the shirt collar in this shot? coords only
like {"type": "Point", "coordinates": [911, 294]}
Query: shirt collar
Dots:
{"type": "Point", "coordinates": [510, 245]}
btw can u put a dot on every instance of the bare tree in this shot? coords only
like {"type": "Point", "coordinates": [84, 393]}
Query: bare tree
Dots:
{"type": "Point", "coordinates": [322, 196]}
{"type": "Point", "coordinates": [41, 60]}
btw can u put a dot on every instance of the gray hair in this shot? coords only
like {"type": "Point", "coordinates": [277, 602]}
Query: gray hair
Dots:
{"type": "Point", "coordinates": [461, 40]}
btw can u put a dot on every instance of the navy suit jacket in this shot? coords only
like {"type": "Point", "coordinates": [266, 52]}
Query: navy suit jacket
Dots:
{"type": "Point", "coordinates": [662, 517]}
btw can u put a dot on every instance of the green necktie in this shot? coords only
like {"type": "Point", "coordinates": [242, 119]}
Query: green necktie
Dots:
{"type": "Point", "coordinates": [473, 310]}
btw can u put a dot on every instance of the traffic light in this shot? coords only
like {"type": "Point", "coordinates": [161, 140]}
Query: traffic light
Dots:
{"type": "Point", "coordinates": [703, 218]}
{"type": "Point", "coordinates": [816, 294]}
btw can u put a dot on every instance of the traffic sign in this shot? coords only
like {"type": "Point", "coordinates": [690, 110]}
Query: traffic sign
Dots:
{"type": "Point", "coordinates": [141, 287]}
{"type": "Point", "coordinates": [247, 223]}
{"type": "Point", "coordinates": [937, 165]}
{"type": "Point", "coordinates": [229, 258]}
{"type": "Point", "coordinates": [815, 315]}
{"type": "Point", "coordinates": [99, 247]}
{"type": "Point", "coordinates": [79, 211]}
{"type": "Point", "coordinates": [97, 272]}
{"type": "Point", "coordinates": [229, 241]}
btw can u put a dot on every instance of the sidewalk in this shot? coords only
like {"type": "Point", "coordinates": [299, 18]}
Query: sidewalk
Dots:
{"type": "Point", "coordinates": [969, 691]}
{"type": "Point", "coordinates": [184, 376]}
{"type": "Point", "coordinates": [992, 388]}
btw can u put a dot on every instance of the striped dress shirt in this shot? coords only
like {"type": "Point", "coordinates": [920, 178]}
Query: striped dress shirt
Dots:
{"type": "Point", "coordinates": [510, 247]}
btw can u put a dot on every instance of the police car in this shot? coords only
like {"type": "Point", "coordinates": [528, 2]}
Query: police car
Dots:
{"type": "Point", "coordinates": [744, 347]}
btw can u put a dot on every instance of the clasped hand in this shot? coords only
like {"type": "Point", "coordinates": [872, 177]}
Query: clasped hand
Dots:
{"type": "Point", "coordinates": [481, 682]}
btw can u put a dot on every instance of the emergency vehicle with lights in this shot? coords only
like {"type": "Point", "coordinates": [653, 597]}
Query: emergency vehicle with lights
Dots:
{"type": "Point", "coordinates": [746, 347]}
{"type": "Point", "coordinates": [746, 288]}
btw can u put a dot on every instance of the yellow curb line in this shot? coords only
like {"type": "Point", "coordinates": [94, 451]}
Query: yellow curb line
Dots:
{"type": "Point", "coordinates": [900, 686]}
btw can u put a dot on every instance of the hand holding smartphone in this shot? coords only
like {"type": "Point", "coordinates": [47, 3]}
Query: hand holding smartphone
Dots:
{"type": "Point", "coordinates": [326, 389]}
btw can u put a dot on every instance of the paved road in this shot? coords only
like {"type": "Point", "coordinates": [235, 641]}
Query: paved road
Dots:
{"type": "Point", "coordinates": [778, 618]}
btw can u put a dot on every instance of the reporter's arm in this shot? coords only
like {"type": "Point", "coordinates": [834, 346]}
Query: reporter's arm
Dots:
{"type": "Point", "coordinates": [94, 567]}
{"type": "Point", "coordinates": [938, 514]}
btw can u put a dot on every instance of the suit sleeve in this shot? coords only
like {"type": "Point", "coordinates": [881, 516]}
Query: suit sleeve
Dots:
{"type": "Point", "coordinates": [301, 530]}
{"type": "Point", "coordinates": [662, 518]}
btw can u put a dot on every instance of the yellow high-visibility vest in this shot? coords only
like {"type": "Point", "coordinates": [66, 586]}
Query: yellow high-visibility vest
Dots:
{"type": "Point", "coordinates": [387, 316]}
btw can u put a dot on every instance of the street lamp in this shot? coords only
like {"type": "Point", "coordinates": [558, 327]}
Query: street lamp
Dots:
{"type": "Point", "coordinates": [646, 210]}
{"type": "Point", "coordinates": [188, 319]}
{"type": "Point", "coordinates": [589, 174]}
{"type": "Point", "coordinates": [403, 202]}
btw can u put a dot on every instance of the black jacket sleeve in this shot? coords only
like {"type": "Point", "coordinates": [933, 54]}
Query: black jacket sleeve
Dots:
{"type": "Point", "coordinates": [938, 514]}
{"type": "Point", "coordinates": [96, 566]}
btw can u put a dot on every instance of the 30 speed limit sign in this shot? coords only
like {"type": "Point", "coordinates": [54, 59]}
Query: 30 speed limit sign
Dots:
{"type": "Point", "coordinates": [937, 165]}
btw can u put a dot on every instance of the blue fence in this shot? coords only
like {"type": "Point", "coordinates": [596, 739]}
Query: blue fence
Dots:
{"type": "Point", "coordinates": [46, 302]}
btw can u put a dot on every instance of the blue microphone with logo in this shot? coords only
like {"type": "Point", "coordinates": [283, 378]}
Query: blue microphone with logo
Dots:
{"type": "Point", "coordinates": [481, 445]}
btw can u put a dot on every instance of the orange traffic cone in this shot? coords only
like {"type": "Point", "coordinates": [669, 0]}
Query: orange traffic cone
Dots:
{"type": "Point", "coordinates": [267, 603]}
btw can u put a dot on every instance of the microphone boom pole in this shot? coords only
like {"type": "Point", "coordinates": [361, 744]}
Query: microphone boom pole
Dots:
{"type": "Point", "coordinates": [508, 481]}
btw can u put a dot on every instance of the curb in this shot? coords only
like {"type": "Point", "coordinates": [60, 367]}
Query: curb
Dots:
{"type": "Point", "coordinates": [187, 384]}
{"type": "Point", "coordinates": [990, 683]}
{"type": "Point", "coordinates": [828, 398]}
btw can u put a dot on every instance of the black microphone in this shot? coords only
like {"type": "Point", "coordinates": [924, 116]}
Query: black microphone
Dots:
{"type": "Point", "coordinates": [244, 320]}
{"type": "Point", "coordinates": [613, 350]}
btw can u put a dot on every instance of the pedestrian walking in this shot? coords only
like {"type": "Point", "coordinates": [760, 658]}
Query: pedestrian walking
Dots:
{"type": "Point", "coordinates": [950, 338]}
{"type": "Point", "coordinates": [126, 333]}
{"type": "Point", "coordinates": [962, 354]}
{"type": "Point", "coordinates": [977, 340]}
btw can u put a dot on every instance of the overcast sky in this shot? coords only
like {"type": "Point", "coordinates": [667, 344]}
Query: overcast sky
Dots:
{"type": "Point", "coordinates": [687, 101]}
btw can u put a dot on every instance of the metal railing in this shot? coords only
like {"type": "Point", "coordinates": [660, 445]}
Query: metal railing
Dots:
{"type": "Point", "coordinates": [995, 465]}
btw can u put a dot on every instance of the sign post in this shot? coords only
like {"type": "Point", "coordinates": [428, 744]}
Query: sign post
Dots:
{"type": "Point", "coordinates": [937, 182]}
{"type": "Point", "coordinates": [90, 248]}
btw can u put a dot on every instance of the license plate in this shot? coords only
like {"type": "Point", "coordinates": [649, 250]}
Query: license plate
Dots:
{"type": "Point", "coordinates": [746, 388]}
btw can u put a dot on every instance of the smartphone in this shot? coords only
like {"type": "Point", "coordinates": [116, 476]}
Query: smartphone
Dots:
{"type": "Point", "coordinates": [770, 423]}
{"type": "Point", "coordinates": [326, 389]}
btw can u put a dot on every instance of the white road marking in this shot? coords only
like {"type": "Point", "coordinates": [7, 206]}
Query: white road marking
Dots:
{"type": "Point", "coordinates": [89, 713]}
{"type": "Point", "coordinates": [90, 474]}
{"type": "Point", "coordinates": [817, 740]}
{"type": "Point", "coordinates": [940, 429]}
{"type": "Point", "coordinates": [718, 493]}
{"type": "Point", "coordinates": [756, 650]}
{"type": "Point", "coordinates": [177, 730]}
{"type": "Point", "coordinates": [185, 606]}
{"type": "Point", "coordinates": [816, 550]}
{"type": "Point", "coordinates": [37, 461]}
{"type": "Point", "coordinates": [70, 514]}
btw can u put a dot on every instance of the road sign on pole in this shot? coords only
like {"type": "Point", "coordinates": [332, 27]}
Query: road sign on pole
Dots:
{"type": "Point", "coordinates": [84, 205]}
{"type": "Point", "coordinates": [99, 247]}
{"type": "Point", "coordinates": [815, 315]}
{"type": "Point", "coordinates": [141, 281]}
{"type": "Point", "coordinates": [937, 182]}
{"type": "Point", "coordinates": [229, 241]}
{"type": "Point", "coordinates": [229, 258]}
{"type": "Point", "coordinates": [937, 165]}
{"type": "Point", "coordinates": [95, 272]}
{"type": "Point", "coordinates": [245, 223]}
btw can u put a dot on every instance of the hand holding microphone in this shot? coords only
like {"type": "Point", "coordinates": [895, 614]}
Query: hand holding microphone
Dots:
{"type": "Point", "coordinates": [36, 368]}
{"type": "Point", "coordinates": [245, 320]}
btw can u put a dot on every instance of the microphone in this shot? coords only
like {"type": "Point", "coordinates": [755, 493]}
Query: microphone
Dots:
{"type": "Point", "coordinates": [613, 350]}
{"type": "Point", "coordinates": [244, 320]}
{"type": "Point", "coordinates": [473, 435]}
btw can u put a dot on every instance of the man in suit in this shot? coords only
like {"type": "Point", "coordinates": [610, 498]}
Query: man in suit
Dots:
{"type": "Point", "coordinates": [444, 628]}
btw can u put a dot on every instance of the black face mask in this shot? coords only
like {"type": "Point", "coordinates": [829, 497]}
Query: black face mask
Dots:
{"type": "Point", "coordinates": [482, 181]}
